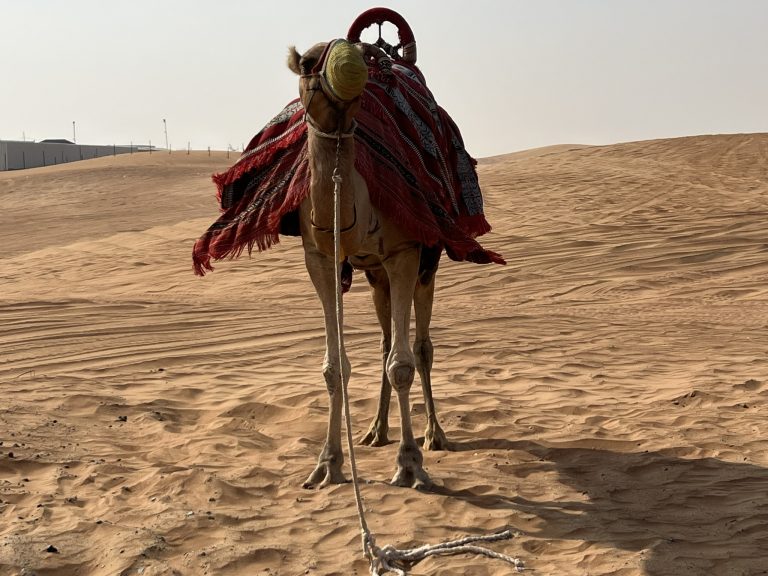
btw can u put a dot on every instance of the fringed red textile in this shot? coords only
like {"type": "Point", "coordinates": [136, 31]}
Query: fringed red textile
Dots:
{"type": "Point", "coordinates": [268, 182]}
{"type": "Point", "coordinates": [408, 150]}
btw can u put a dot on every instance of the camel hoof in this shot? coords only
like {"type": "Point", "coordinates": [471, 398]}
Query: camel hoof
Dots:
{"type": "Point", "coordinates": [415, 478]}
{"type": "Point", "coordinates": [410, 472]}
{"type": "Point", "coordinates": [325, 474]}
{"type": "Point", "coordinates": [434, 439]}
{"type": "Point", "coordinates": [374, 437]}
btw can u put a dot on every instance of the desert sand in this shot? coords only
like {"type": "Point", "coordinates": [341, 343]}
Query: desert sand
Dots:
{"type": "Point", "coordinates": [605, 392]}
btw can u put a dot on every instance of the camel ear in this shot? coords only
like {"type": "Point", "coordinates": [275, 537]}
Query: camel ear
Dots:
{"type": "Point", "coordinates": [293, 60]}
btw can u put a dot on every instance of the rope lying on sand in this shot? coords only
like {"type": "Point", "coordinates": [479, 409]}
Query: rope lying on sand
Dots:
{"type": "Point", "coordinates": [388, 558]}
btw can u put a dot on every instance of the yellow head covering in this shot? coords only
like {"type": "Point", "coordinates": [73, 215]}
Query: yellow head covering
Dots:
{"type": "Point", "coordinates": [345, 70]}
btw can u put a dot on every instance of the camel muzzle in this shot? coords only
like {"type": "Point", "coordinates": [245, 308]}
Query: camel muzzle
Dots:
{"type": "Point", "coordinates": [344, 71]}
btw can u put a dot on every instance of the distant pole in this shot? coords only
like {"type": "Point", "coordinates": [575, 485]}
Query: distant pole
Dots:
{"type": "Point", "coordinates": [187, 148]}
{"type": "Point", "coordinates": [165, 127]}
{"type": "Point", "coordinates": [150, 147]}
{"type": "Point", "coordinates": [74, 133]}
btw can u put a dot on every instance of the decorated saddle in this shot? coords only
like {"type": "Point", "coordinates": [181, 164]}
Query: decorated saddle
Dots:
{"type": "Point", "coordinates": [408, 150]}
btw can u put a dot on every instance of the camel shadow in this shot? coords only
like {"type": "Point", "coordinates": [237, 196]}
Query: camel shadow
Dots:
{"type": "Point", "coordinates": [688, 516]}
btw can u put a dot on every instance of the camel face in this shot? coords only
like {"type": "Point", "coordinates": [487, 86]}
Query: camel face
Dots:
{"type": "Point", "coordinates": [324, 107]}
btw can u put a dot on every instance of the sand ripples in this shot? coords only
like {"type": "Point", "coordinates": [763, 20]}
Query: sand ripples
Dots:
{"type": "Point", "coordinates": [604, 393]}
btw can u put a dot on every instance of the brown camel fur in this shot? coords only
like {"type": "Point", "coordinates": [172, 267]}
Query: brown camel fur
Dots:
{"type": "Point", "coordinates": [399, 269]}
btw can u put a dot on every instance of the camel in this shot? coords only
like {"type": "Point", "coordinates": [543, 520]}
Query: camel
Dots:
{"type": "Point", "coordinates": [399, 269]}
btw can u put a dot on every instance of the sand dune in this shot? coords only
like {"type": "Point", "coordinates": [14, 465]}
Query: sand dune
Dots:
{"type": "Point", "coordinates": [605, 392]}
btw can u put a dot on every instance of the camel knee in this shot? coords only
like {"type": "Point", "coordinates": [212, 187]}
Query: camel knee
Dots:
{"type": "Point", "coordinates": [400, 370]}
{"type": "Point", "coordinates": [332, 374]}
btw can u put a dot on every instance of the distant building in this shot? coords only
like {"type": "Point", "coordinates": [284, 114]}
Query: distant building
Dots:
{"type": "Point", "coordinates": [16, 155]}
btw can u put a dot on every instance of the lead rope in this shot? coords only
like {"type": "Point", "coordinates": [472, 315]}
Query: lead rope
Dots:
{"type": "Point", "coordinates": [368, 541]}
{"type": "Point", "coordinates": [389, 558]}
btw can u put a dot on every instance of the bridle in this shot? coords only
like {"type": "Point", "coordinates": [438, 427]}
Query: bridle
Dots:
{"type": "Point", "coordinates": [336, 104]}
{"type": "Point", "coordinates": [338, 134]}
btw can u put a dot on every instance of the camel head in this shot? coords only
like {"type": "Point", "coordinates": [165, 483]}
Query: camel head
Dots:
{"type": "Point", "coordinates": [331, 79]}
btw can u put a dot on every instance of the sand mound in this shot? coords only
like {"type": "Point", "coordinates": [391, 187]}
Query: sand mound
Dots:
{"type": "Point", "coordinates": [605, 392]}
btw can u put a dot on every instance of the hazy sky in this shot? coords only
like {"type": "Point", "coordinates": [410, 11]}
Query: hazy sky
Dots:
{"type": "Point", "coordinates": [514, 74]}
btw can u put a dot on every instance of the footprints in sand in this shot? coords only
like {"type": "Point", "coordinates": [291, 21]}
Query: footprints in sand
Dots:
{"type": "Point", "coordinates": [604, 394]}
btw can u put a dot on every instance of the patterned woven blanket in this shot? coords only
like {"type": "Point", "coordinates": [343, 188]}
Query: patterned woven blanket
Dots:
{"type": "Point", "coordinates": [408, 150]}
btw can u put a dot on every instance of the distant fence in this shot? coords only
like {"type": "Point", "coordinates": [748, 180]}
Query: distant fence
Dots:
{"type": "Point", "coordinates": [15, 155]}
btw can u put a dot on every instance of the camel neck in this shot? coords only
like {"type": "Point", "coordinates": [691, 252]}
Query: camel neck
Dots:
{"type": "Point", "coordinates": [322, 161]}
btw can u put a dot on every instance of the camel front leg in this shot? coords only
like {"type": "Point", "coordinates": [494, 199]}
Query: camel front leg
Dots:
{"type": "Point", "coordinates": [328, 469]}
{"type": "Point", "coordinates": [402, 269]}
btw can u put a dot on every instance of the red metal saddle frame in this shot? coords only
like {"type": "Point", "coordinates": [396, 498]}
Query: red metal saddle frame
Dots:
{"type": "Point", "coordinates": [404, 32]}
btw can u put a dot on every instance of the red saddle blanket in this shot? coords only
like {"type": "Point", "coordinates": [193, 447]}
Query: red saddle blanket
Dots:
{"type": "Point", "coordinates": [408, 150]}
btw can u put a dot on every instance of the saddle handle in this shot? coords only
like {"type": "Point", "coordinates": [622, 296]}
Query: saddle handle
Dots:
{"type": "Point", "coordinates": [404, 33]}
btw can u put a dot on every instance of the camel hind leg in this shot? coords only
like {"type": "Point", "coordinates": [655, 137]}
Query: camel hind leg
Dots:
{"type": "Point", "coordinates": [377, 434]}
{"type": "Point", "coordinates": [423, 297]}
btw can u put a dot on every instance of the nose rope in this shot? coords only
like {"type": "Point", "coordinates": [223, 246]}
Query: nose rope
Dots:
{"type": "Point", "coordinates": [368, 540]}
{"type": "Point", "coordinates": [315, 127]}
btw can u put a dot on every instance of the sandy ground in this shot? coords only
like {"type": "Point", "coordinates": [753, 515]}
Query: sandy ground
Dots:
{"type": "Point", "coordinates": [605, 392]}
